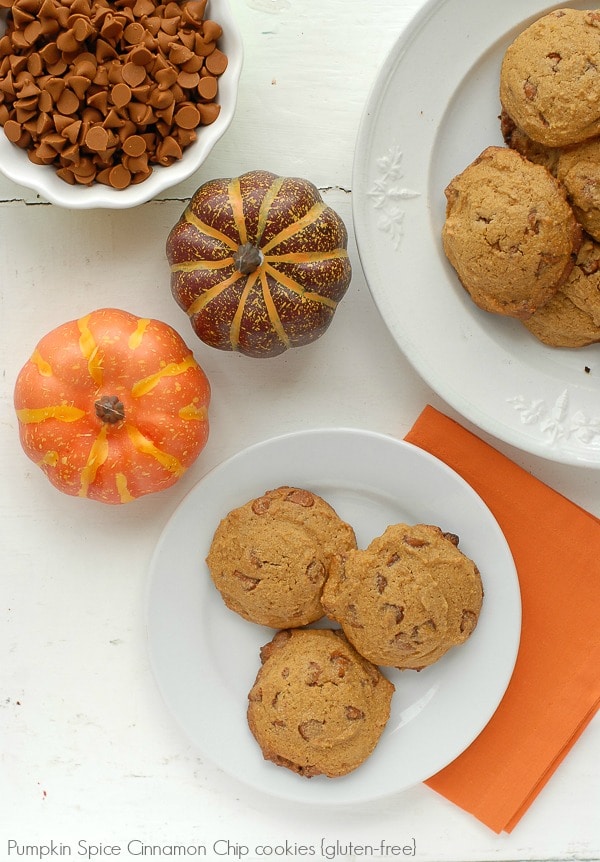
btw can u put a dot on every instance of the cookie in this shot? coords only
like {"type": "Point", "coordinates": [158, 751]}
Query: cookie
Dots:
{"type": "Point", "coordinates": [578, 168]}
{"type": "Point", "coordinates": [270, 557]}
{"type": "Point", "coordinates": [408, 598]}
{"type": "Point", "coordinates": [550, 78]}
{"type": "Point", "coordinates": [317, 707]}
{"type": "Point", "coordinates": [516, 139]}
{"type": "Point", "coordinates": [509, 232]}
{"type": "Point", "coordinates": [572, 317]}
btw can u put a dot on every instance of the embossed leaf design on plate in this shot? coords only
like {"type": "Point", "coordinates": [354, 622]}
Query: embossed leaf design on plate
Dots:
{"type": "Point", "coordinates": [556, 420]}
{"type": "Point", "coordinates": [387, 192]}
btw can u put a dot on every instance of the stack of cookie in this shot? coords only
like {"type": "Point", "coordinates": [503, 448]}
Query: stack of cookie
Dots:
{"type": "Point", "coordinates": [522, 225]}
{"type": "Point", "coordinates": [320, 702]}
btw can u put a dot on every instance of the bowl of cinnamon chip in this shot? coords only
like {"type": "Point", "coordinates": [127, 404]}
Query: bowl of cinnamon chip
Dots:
{"type": "Point", "coordinates": [108, 104]}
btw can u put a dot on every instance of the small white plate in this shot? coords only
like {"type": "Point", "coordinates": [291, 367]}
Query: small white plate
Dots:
{"type": "Point", "coordinates": [433, 109]}
{"type": "Point", "coordinates": [205, 657]}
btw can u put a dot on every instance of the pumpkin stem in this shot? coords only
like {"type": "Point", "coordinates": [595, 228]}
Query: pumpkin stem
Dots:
{"type": "Point", "coordinates": [247, 258]}
{"type": "Point", "coordinates": [109, 409]}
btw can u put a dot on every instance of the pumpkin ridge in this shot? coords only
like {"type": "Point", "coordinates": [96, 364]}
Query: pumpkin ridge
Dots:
{"type": "Point", "coordinates": [298, 289]}
{"type": "Point", "coordinates": [122, 490]}
{"type": "Point", "coordinates": [147, 447]}
{"type": "Point", "coordinates": [272, 312]}
{"type": "Point", "coordinates": [234, 329]}
{"type": "Point", "coordinates": [201, 301]}
{"type": "Point", "coordinates": [266, 204]}
{"type": "Point", "coordinates": [146, 384]}
{"type": "Point", "coordinates": [296, 227]}
{"type": "Point", "coordinates": [196, 222]}
{"type": "Point", "coordinates": [97, 456]}
{"type": "Point", "coordinates": [135, 339]}
{"type": "Point", "coordinates": [43, 367]}
{"type": "Point", "coordinates": [89, 349]}
{"type": "Point", "coordinates": [234, 193]}
{"type": "Point", "coordinates": [192, 413]}
{"type": "Point", "coordinates": [60, 412]}
{"type": "Point", "coordinates": [194, 265]}
{"type": "Point", "coordinates": [307, 256]}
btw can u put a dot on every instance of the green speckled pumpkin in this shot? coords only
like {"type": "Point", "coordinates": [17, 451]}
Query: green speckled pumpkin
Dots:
{"type": "Point", "coordinates": [259, 263]}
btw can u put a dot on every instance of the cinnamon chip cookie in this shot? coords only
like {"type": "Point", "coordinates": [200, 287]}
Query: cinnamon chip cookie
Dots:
{"type": "Point", "coordinates": [270, 558]}
{"type": "Point", "coordinates": [550, 77]}
{"type": "Point", "coordinates": [317, 707]}
{"type": "Point", "coordinates": [408, 598]}
{"type": "Point", "coordinates": [577, 167]}
{"type": "Point", "coordinates": [509, 232]}
{"type": "Point", "coordinates": [572, 317]}
{"type": "Point", "coordinates": [518, 140]}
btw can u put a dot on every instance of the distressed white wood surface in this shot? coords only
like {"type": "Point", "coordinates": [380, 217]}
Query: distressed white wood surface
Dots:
{"type": "Point", "coordinates": [88, 751]}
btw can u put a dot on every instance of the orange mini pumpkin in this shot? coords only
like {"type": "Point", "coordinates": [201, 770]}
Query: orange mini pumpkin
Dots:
{"type": "Point", "coordinates": [112, 406]}
{"type": "Point", "coordinates": [259, 262]}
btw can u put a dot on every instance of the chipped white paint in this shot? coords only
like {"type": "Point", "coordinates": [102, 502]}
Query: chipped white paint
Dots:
{"type": "Point", "coordinates": [269, 5]}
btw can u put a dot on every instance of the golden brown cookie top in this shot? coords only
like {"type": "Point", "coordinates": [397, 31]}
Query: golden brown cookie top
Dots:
{"type": "Point", "coordinates": [550, 77]}
{"type": "Point", "coordinates": [270, 557]}
{"type": "Point", "coordinates": [408, 598]}
{"type": "Point", "coordinates": [509, 232]}
{"type": "Point", "coordinates": [572, 317]}
{"type": "Point", "coordinates": [317, 707]}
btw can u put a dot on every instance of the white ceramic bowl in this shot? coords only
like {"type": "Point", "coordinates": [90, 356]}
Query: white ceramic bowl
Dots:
{"type": "Point", "coordinates": [15, 164]}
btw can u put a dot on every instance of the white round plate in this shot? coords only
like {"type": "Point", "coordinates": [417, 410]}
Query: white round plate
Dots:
{"type": "Point", "coordinates": [205, 657]}
{"type": "Point", "coordinates": [434, 108]}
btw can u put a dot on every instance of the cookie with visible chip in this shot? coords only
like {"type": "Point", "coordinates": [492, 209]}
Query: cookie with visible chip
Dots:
{"type": "Point", "coordinates": [317, 707]}
{"type": "Point", "coordinates": [509, 232]}
{"type": "Point", "coordinates": [572, 317]}
{"type": "Point", "coordinates": [577, 167]}
{"type": "Point", "coordinates": [516, 139]}
{"type": "Point", "coordinates": [550, 78]}
{"type": "Point", "coordinates": [408, 598]}
{"type": "Point", "coordinates": [270, 558]}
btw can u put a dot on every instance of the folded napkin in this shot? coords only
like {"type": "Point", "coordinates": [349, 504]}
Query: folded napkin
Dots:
{"type": "Point", "coordinates": [555, 688]}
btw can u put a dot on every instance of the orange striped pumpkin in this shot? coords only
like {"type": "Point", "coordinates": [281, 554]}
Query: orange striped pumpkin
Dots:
{"type": "Point", "coordinates": [112, 406]}
{"type": "Point", "coordinates": [259, 262]}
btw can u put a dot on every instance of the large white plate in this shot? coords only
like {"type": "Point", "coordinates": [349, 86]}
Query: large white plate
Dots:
{"type": "Point", "coordinates": [433, 109]}
{"type": "Point", "coordinates": [205, 657]}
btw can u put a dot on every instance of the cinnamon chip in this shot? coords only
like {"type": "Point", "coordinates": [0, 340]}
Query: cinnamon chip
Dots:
{"type": "Point", "coordinates": [104, 91]}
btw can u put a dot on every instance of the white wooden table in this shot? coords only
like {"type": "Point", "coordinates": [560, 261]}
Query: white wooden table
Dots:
{"type": "Point", "coordinates": [89, 753]}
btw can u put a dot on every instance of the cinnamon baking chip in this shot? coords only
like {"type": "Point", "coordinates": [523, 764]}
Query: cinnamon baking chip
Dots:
{"type": "Point", "coordinates": [103, 91]}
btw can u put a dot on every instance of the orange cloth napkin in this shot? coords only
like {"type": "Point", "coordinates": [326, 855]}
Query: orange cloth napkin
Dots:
{"type": "Point", "coordinates": [555, 688]}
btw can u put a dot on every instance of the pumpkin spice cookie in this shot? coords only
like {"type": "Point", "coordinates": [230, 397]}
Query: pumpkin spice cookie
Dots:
{"type": "Point", "coordinates": [518, 140]}
{"type": "Point", "coordinates": [407, 599]}
{"type": "Point", "coordinates": [572, 317]}
{"type": "Point", "coordinates": [550, 78]}
{"type": "Point", "coordinates": [577, 167]}
{"type": "Point", "coordinates": [270, 558]}
{"type": "Point", "coordinates": [317, 707]}
{"type": "Point", "coordinates": [509, 232]}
